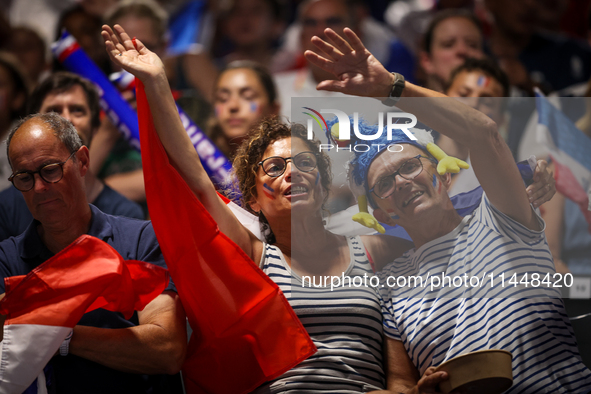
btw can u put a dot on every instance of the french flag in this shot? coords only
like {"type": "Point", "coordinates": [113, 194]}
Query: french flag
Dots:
{"type": "Point", "coordinates": [570, 151]}
{"type": "Point", "coordinates": [42, 307]}
{"type": "Point", "coordinates": [244, 330]}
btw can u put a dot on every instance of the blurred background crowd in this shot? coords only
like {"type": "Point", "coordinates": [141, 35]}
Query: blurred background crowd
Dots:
{"type": "Point", "coordinates": [233, 62]}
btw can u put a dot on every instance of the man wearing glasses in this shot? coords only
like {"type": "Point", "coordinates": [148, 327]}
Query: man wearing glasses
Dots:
{"type": "Point", "coordinates": [75, 99]}
{"type": "Point", "coordinates": [106, 352]}
{"type": "Point", "coordinates": [430, 321]}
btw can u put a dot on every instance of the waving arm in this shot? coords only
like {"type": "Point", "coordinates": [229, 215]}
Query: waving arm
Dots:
{"type": "Point", "coordinates": [135, 58]}
{"type": "Point", "coordinates": [359, 73]}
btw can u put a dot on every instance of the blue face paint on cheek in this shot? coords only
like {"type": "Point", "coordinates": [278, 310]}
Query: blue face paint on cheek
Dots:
{"type": "Point", "coordinates": [317, 178]}
{"type": "Point", "coordinates": [253, 106]}
{"type": "Point", "coordinates": [268, 190]}
{"type": "Point", "coordinates": [434, 180]}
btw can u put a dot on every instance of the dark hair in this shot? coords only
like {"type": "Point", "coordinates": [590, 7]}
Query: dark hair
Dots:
{"type": "Point", "coordinates": [251, 152]}
{"type": "Point", "coordinates": [11, 64]}
{"type": "Point", "coordinates": [278, 8]}
{"type": "Point", "coordinates": [262, 73]}
{"type": "Point", "coordinates": [442, 16]}
{"type": "Point", "coordinates": [266, 80]}
{"type": "Point", "coordinates": [141, 9]}
{"type": "Point", "coordinates": [38, 40]}
{"type": "Point", "coordinates": [485, 65]}
{"type": "Point", "coordinates": [349, 5]}
{"type": "Point", "coordinates": [60, 82]}
{"type": "Point", "coordinates": [62, 128]}
{"type": "Point", "coordinates": [77, 9]}
{"type": "Point", "coordinates": [4, 28]}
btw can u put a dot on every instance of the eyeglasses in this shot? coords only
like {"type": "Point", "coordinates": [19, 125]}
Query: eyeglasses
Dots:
{"type": "Point", "coordinates": [50, 173]}
{"type": "Point", "coordinates": [409, 170]}
{"type": "Point", "coordinates": [275, 166]}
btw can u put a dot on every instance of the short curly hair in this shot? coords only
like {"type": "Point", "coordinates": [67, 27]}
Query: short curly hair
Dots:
{"type": "Point", "coordinates": [250, 153]}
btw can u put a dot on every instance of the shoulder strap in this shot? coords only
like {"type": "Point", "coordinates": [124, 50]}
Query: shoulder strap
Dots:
{"type": "Point", "coordinates": [262, 260]}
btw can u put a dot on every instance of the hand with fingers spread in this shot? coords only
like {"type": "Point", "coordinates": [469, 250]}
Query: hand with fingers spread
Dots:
{"type": "Point", "coordinates": [544, 186]}
{"type": "Point", "coordinates": [359, 72]}
{"type": "Point", "coordinates": [131, 55]}
{"type": "Point", "coordinates": [135, 58]}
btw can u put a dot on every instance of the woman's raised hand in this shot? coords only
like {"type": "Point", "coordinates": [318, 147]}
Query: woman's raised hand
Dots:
{"type": "Point", "coordinates": [131, 54]}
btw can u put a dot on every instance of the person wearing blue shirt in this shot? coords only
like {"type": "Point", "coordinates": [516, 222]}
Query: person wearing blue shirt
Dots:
{"type": "Point", "coordinates": [105, 353]}
{"type": "Point", "coordinates": [75, 99]}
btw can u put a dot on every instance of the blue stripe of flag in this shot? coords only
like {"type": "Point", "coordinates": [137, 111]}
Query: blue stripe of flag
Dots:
{"type": "Point", "coordinates": [565, 134]}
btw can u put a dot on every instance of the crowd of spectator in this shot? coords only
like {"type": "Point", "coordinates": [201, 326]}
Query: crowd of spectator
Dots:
{"type": "Point", "coordinates": [233, 63]}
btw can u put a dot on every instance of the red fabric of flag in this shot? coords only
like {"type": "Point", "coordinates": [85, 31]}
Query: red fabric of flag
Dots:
{"type": "Point", "coordinates": [244, 330]}
{"type": "Point", "coordinates": [43, 306]}
{"type": "Point", "coordinates": [86, 275]}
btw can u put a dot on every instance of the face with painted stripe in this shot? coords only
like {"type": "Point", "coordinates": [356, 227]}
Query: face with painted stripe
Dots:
{"type": "Point", "coordinates": [479, 91]}
{"type": "Point", "coordinates": [294, 189]}
{"type": "Point", "coordinates": [454, 40]}
{"type": "Point", "coordinates": [240, 102]}
{"type": "Point", "coordinates": [412, 198]}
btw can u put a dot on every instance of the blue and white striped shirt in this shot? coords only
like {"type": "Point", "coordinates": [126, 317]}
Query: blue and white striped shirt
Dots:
{"type": "Point", "coordinates": [345, 325]}
{"type": "Point", "coordinates": [436, 324]}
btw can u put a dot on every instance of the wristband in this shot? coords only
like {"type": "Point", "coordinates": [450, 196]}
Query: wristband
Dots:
{"type": "Point", "coordinates": [396, 91]}
{"type": "Point", "coordinates": [65, 346]}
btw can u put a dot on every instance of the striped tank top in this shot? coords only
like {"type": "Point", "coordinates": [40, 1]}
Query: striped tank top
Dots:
{"type": "Point", "coordinates": [345, 325]}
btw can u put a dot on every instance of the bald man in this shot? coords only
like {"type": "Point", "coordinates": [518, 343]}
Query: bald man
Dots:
{"type": "Point", "coordinates": [77, 100]}
{"type": "Point", "coordinates": [106, 352]}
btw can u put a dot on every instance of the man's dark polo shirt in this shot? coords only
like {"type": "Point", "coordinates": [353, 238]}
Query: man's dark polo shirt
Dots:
{"type": "Point", "coordinates": [134, 240]}
{"type": "Point", "coordinates": [15, 216]}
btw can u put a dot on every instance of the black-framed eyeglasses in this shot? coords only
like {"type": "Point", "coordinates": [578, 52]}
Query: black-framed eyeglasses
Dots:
{"type": "Point", "coordinates": [275, 166]}
{"type": "Point", "coordinates": [409, 170]}
{"type": "Point", "coordinates": [50, 173]}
